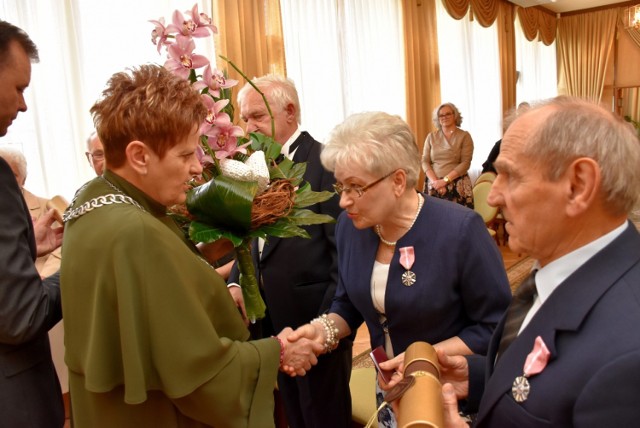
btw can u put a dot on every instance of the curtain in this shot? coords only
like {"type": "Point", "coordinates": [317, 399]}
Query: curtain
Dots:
{"type": "Point", "coordinates": [485, 11]}
{"type": "Point", "coordinates": [585, 43]}
{"type": "Point", "coordinates": [421, 66]}
{"type": "Point", "coordinates": [344, 57]}
{"type": "Point", "coordinates": [81, 45]}
{"type": "Point", "coordinates": [507, 48]}
{"type": "Point", "coordinates": [470, 78]}
{"type": "Point", "coordinates": [250, 36]}
{"type": "Point", "coordinates": [536, 63]}
{"type": "Point", "coordinates": [536, 21]}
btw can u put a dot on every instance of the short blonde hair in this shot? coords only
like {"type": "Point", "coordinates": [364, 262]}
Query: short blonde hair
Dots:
{"type": "Point", "coordinates": [456, 114]}
{"type": "Point", "coordinates": [378, 142]}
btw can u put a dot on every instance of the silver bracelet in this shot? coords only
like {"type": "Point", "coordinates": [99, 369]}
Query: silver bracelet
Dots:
{"type": "Point", "coordinates": [330, 330]}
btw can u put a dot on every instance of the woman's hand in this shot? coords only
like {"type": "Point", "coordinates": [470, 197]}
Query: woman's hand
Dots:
{"type": "Point", "coordinates": [397, 365]}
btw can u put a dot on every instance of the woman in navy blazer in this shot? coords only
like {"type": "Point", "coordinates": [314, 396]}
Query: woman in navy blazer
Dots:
{"type": "Point", "coordinates": [413, 267]}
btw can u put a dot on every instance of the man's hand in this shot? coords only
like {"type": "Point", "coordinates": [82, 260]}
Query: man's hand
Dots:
{"type": "Point", "coordinates": [454, 370]}
{"type": "Point", "coordinates": [452, 418]}
{"type": "Point", "coordinates": [47, 238]}
{"type": "Point", "coordinates": [236, 295]}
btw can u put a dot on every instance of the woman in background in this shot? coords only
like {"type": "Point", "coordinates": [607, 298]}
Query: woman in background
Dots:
{"type": "Point", "coordinates": [446, 157]}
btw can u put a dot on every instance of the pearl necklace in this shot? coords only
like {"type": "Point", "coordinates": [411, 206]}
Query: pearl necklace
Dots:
{"type": "Point", "coordinates": [393, 244]}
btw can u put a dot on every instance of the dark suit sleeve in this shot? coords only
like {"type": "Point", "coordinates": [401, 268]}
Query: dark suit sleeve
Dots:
{"type": "Point", "coordinates": [477, 366]}
{"type": "Point", "coordinates": [610, 399]}
{"type": "Point", "coordinates": [29, 306]}
{"type": "Point", "coordinates": [332, 208]}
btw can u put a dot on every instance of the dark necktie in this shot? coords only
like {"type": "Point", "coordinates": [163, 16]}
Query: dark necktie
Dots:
{"type": "Point", "coordinates": [517, 311]}
{"type": "Point", "coordinates": [292, 148]}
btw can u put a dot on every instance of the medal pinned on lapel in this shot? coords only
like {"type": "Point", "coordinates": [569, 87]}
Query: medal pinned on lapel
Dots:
{"type": "Point", "coordinates": [407, 258]}
{"type": "Point", "coordinates": [535, 363]}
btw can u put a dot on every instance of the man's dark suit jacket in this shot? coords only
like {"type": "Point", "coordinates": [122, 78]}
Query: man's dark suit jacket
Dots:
{"type": "Point", "coordinates": [300, 278]}
{"type": "Point", "coordinates": [30, 394]}
{"type": "Point", "coordinates": [590, 325]}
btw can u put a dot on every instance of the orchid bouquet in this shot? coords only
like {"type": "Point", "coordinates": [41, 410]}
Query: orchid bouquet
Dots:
{"type": "Point", "coordinates": [243, 193]}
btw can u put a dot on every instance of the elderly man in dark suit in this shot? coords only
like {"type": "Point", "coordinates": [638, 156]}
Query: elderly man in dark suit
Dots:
{"type": "Point", "coordinates": [299, 276]}
{"type": "Point", "coordinates": [567, 179]}
{"type": "Point", "coordinates": [30, 394]}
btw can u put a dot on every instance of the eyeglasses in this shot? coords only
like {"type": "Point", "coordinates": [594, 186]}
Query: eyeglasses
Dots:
{"type": "Point", "coordinates": [340, 189]}
{"type": "Point", "coordinates": [95, 155]}
{"type": "Point", "coordinates": [442, 116]}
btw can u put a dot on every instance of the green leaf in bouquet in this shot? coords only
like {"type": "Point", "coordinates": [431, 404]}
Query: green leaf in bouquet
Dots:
{"type": "Point", "coordinates": [200, 232]}
{"type": "Point", "coordinates": [306, 197]}
{"type": "Point", "coordinates": [224, 203]}
{"type": "Point", "coordinates": [308, 217]}
{"type": "Point", "coordinates": [285, 228]}
{"type": "Point", "coordinates": [265, 143]}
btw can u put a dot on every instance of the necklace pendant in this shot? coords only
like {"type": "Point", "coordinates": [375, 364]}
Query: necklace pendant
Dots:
{"type": "Point", "coordinates": [408, 278]}
{"type": "Point", "coordinates": [520, 389]}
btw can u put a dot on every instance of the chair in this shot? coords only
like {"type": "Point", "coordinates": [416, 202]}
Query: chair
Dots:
{"type": "Point", "coordinates": [481, 206]}
{"type": "Point", "coordinates": [486, 176]}
{"type": "Point", "coordinates": [363, 395]}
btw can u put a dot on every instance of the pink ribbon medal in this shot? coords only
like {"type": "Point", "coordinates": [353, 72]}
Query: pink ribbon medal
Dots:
{"type": "Point", "coordinates": [535, 363]}
{"type": "Point", "coordinates": [407, 258]}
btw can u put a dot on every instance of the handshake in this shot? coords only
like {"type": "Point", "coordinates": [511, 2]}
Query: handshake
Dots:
{"type": "Point", "coordinates": [299, 349]}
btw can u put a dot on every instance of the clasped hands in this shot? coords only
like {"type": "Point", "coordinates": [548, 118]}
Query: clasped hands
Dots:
{"type": "Point", "coordinates": [440, 186]}
{"type": "Point", "coordinates": [301, 349]}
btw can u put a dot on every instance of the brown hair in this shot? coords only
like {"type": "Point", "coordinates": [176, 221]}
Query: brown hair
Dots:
{"type": "Point", "coordinates": [10, 33]}
{"type": "Point", "coordinates": [148, 104]}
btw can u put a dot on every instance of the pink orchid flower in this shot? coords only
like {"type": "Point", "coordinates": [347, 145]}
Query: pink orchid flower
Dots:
{"type": "Point", "coordinates": [203, 158]}
{"type": "Point", "coordinates": [202, 20]}
{"type": "Point", "coordinates": [182, 59]}
{"type": "Point", "coordinates": [214, 108]}
{"type": "Point", "coordinates": [159, 34]}
{"type": "Point", "coordinates": [195, 27]}
{"type": "Point", "coordinates": [214, 80]}
{"type": "Point", "coordinates": [223, 139]}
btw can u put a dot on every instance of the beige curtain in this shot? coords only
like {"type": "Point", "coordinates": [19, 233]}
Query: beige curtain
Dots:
{"type": "Point", "coordinates": [585, 43]}
{"type": "Point", "coordinates": [485, 11]}
{"type": "Point", "coordinates": [422, 69]}
{"type": "Point", "coordinates": [507, 42]}
{"type": "Point", "coordinates": [250, 35]}
{"type": "Point", "coordinates": [536, 21]}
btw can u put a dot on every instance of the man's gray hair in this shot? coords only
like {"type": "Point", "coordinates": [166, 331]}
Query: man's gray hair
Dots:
{"type": "Point", "coordinates": [280, 92]}
{"type": "Point", "coordinates": [16, 159]}
{"type": "Point", "coordinates": [579, 128]}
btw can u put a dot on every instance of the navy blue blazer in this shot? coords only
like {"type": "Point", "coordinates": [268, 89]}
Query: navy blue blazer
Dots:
{"type": "Point", "coordinates": [589, 325]}
{"type": "Point", "coordinates": [461, 290]}
{"type": "Point", "coordinates": [30, 394]}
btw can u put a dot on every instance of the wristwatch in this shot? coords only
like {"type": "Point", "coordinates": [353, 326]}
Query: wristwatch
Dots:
{"type": "Point", "coordinates": [447, 179]}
